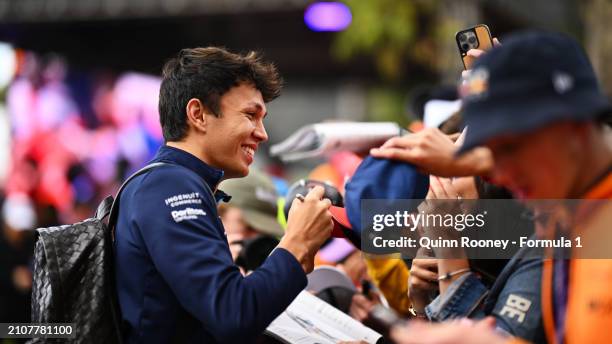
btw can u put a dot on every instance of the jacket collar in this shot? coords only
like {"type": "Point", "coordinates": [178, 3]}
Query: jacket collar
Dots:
{"type": "Point", "coordinates": [211, 175]}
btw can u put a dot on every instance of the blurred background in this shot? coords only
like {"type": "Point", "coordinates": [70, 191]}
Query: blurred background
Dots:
{"type": "Point", "coordinates": [79, 84]}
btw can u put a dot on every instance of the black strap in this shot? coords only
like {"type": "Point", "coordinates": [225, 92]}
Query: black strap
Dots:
{"type": "Point", "coordinates": [110, 207]}
{"type": "Point", "coordinates": [104, 208]}
{"type": "Point", "coordinates": [113, 212]}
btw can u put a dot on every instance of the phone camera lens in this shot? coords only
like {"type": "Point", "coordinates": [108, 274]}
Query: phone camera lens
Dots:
{"type": "Point", "coordinates": [462, 37]}
{"type": "Point", "coordinates": [465, 46]}
{"type": "Point", "coordinates": [472, 40]}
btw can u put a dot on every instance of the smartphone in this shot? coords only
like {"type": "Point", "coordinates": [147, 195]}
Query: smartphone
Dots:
{"type": "Point", "coordinates": [477, 37]}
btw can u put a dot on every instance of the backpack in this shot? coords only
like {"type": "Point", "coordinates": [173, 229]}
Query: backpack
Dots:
{"type": "Point", "coordinates": [74, 277]}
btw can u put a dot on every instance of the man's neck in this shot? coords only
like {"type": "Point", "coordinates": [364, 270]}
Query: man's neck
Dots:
{"type": "Point", "coordinates": [596, 162]}
{"type": "Point", "coordinates": [193, 149]}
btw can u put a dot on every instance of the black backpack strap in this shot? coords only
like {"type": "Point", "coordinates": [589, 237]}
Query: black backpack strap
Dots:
{"type": "Point", "coordinates": [110, 204]}
{"type": "Point", "coordinates": [110, 207]}
{"type": "Point", "coordinates": [104, 208]}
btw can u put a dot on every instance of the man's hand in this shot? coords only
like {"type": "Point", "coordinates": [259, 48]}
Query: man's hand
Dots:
{"type": "Point", "coordinates": [309, 224]}
{"type": "Point", "coordinates": [442, 199]}
{"type": "Point", "coordinates": [361, 306]}
{"type": "Point", "coordinates": [423, 279]}
{"type": "Point", "coordinates": [477, 53]}
{"type": "Point", "coordinates": [433, 152]}
{"type": "Point", "coordinates": [449, 332]}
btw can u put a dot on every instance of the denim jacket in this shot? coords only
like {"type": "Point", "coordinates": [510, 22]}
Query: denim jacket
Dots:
{"type": "Point", "coordinates": [514, 299]}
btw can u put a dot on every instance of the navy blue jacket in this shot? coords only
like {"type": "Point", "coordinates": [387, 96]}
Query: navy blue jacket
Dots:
{"type": "Point", "coordinates": [176, 280]}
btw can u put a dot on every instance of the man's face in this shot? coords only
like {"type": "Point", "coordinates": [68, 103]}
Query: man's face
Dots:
{"type": "Point", "coordinates": [233, 138]}
{"type": "Point", "coordinates": [538, 165]}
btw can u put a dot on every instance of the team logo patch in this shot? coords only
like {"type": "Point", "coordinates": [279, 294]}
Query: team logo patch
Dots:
{"type": "Point", "coordinates": [562, 82]}
{"type": "Point", "coordinates": [183, 199]}
{"type": "Point", "coordinates": [475, 84]}
{"type": "Point", "coordinates": [187, 214]}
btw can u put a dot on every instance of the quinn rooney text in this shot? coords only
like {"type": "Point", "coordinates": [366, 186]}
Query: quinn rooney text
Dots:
{"type": "Point", "coordinates": [466, 242]}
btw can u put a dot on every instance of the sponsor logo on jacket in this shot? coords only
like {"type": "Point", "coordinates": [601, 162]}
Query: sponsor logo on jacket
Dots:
{"type": "Point", "coordinates": [187, 214]}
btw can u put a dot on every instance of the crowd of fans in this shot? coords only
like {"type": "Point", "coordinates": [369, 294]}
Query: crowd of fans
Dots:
{"type": "Point", "coordinates": [518, 114]}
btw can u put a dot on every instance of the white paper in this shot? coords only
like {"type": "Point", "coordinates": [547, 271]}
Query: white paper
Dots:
{"type": "Point", "coordinates": [311, 320]}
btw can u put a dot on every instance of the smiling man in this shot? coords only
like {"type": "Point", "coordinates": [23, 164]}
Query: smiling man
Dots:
{"type": "Point", "coordinates": [176, 280]}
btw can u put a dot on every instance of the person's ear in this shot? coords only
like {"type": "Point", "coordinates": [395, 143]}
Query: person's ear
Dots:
{"type": "Point", "coordinates": [196, 114]}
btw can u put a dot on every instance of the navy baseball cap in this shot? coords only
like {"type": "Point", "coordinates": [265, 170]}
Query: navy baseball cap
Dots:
{"type": "Point", "coordinates": [382, 179]}
{"type": "Point", "coordinates": [532, 80]}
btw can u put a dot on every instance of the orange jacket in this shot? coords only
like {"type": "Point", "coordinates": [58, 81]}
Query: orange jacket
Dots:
{"type": "Point", "coordinates": [589, 304]}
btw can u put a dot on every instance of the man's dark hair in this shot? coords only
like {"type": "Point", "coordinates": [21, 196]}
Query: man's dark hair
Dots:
{"type": "Point", "coordinates": [207, 74]}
